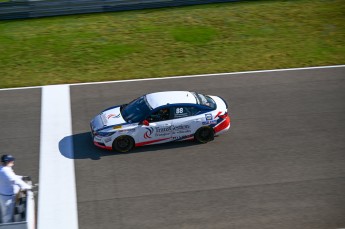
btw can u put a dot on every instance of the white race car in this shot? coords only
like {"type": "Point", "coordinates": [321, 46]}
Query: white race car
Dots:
{"type": "Point", "coordinates": [160, 117]}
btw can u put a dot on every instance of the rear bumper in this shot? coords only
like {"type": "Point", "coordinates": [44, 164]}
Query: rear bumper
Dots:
{"type": "Point", "coordinates": [223, 126]}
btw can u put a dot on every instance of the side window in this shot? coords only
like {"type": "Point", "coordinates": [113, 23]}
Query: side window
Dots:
{"type": "Point", "coordinates": [160, 115]}
{"type": "Point", "coordinates": [184, 111]}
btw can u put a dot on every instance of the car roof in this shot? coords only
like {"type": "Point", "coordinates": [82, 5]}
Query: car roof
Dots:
{"type": "Point", "coordinates": [158, 99]}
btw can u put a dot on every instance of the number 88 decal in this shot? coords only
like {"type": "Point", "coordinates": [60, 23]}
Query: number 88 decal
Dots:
{"type": "Point", "coordinates": [179, 110]}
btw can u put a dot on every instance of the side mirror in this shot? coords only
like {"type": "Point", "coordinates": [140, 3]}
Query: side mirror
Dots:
{"type": "Point", "coordinates": [146, 123]}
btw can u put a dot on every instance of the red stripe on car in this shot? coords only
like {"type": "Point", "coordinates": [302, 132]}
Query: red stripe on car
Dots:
{"type": "Point", "coordinates": [150, 142]}
{"type": "Point", "coordinates": [102, 146]}
{"type": "Point", "coordinates": [217, 115]}
{"type": "Point", "coordinates": [223, 125]}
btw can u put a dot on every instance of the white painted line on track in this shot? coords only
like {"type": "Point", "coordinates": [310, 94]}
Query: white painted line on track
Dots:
{"type": "Point", "coordinates": [57, 202]}
{"type": "Point", "coordinates": [189, 76]}
{"type": "Point", "coordinates": [207, 75]}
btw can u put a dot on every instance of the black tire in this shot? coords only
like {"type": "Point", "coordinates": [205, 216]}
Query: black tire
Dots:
{"type": "Point", "coordinates": [123, 144]}
{"type": "Point", "coordinates": [204, 134]}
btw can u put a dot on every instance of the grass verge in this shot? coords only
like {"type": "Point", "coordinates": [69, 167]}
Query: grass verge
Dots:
{"type": "Point", "coordinates": [200, 39]}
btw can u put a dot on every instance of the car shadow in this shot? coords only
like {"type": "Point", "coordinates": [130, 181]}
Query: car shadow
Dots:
{"type": "Point", "coordinates": [83, 148]}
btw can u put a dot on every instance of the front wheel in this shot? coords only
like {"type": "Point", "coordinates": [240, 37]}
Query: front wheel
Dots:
{"type": "Point", "coordinates": [123, 144]}
{"type": "Point", "coordinates": [204, 134]}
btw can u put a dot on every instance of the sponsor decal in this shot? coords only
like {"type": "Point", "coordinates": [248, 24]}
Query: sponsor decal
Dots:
{"type": "Point", "coordinates": [183, 129]}
{"type": "Point", "coordinates": [173, 130]}
{"type": "Point", "coordinates": [117, 127]}
{"type": "Point", "coordinates": [163, 134]}
{"type": "Point", "coordinates": [209, 122]}
{"type": "Point", "coordinates": [182, 137]}
{"type": "Point", "coordinates": [166, 131]}
{"type": "Point", "coordinates": [208, 117]}
{"type": "Point", "coordinates": [163, 129]}
{"type": "Point", "coordinates": [149, 132]}
{"type": "Point", "coordinates": [113, 116]}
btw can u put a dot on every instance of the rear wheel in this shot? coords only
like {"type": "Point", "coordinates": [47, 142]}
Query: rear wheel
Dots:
{"type": "Point", "coordinates": [123, 144]}
{"type": "Point", "coordinates": [204, 134]}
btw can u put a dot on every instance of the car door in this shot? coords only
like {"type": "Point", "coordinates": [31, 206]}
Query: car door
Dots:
{"type": "Point", "coordinates": [185, 122]}
{"type": "Point", "coordinates": [159, 129]}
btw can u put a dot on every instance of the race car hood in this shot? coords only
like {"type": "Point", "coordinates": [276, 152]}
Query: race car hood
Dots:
{"type": "Point", "coordinates": [110, 117]}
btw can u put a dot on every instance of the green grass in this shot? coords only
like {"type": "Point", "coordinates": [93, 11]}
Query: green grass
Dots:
{"type": "Point", "coordinates": [173, 41]}
{"type": "Point", "coordinates": [194, 34]}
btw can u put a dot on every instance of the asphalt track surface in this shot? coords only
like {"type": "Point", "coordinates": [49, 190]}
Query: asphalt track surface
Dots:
{"type": "Point", "coordinates": [281, 165]}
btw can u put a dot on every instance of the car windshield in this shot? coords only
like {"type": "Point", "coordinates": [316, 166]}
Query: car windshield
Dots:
{"type": "Point", "coordinates": [205, 100]}
{"type": "Point", "coordinates": [136, 111]}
